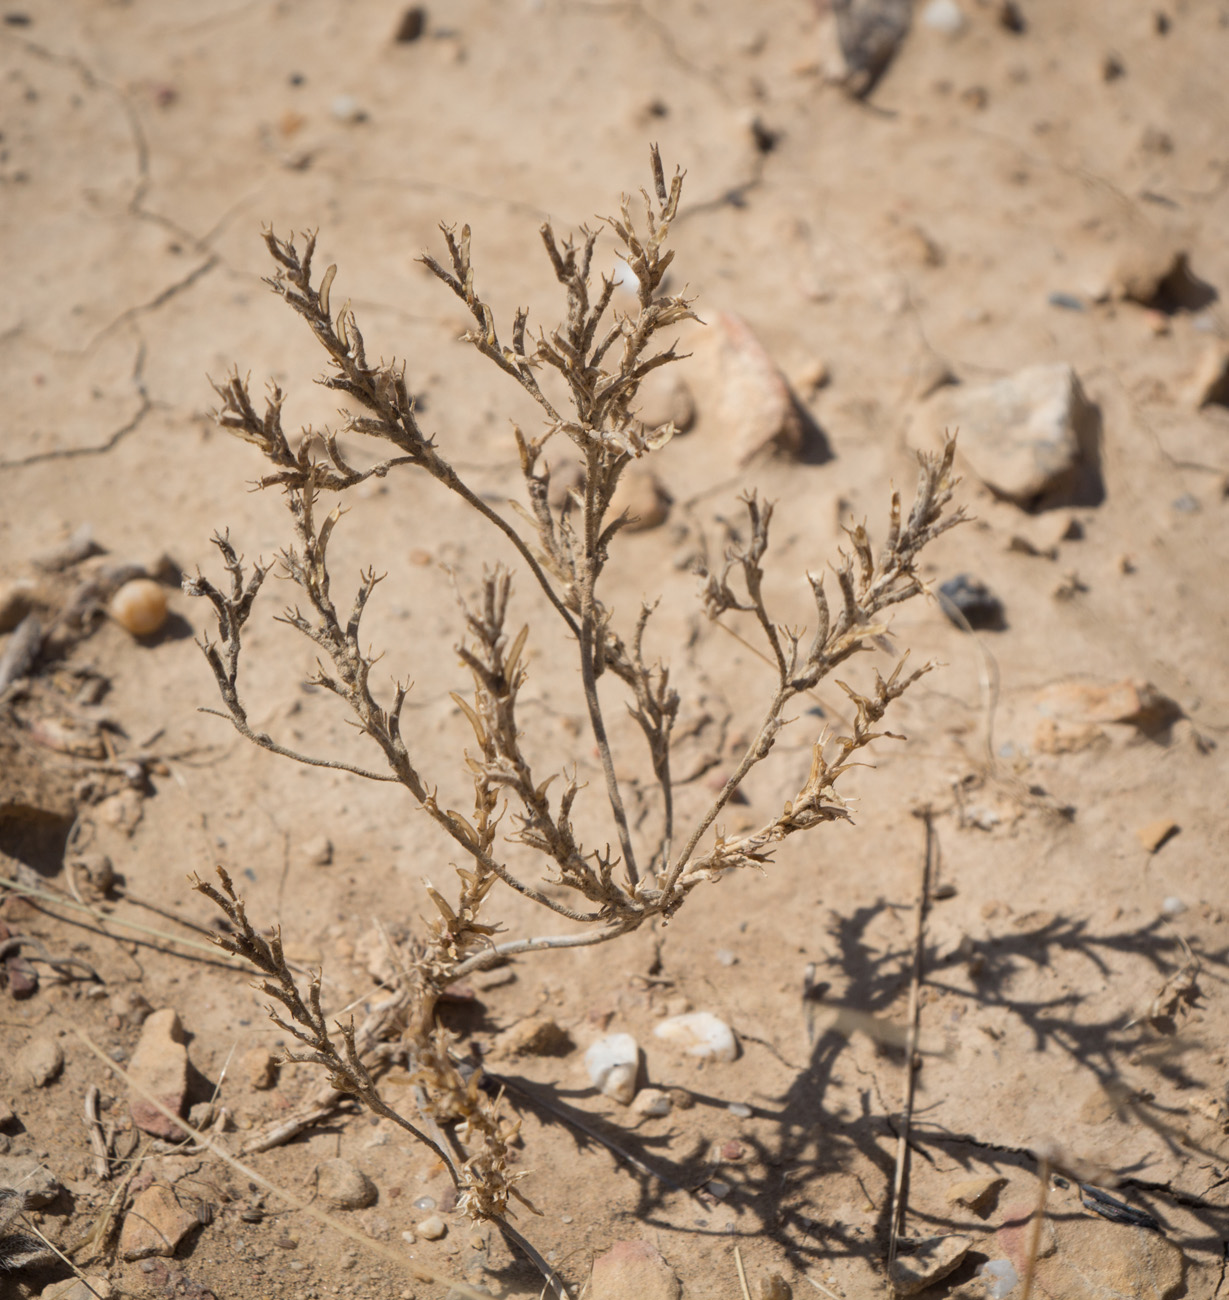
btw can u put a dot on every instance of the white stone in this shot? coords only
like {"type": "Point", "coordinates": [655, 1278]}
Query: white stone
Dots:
{"type": "Point", "coordinates": [652, 1103]}
{"type": "Point", "coordinates": [943, 16]}
{"type": "Point", "coordinates": [432, 1228]}
{"type": "Point", "coordinates": [700, 1033]}
{"type": "Point", "coordinates": [613, 1063]}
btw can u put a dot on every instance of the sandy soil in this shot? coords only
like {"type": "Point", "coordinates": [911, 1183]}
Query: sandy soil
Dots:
{"type": "Point", "coordinates": [1073, 1003]}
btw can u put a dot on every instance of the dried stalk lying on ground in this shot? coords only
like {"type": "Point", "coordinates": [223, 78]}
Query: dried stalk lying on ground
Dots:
{"type": "Point", "coordinates": [602, 357]}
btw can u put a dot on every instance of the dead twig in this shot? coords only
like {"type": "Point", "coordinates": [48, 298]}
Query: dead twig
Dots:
{"type": "Point", "coordinates": [900, 1177]}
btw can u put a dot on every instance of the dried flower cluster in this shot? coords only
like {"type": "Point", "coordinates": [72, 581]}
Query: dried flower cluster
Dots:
{"type": "Point", "coordinates": [602, 356]}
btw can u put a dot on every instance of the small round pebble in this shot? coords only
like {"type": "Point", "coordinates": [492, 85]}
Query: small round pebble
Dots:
{"type": "Point", "coordinates": [432, 1228]}
{"type": "Point", "coordinates": [139, 606]}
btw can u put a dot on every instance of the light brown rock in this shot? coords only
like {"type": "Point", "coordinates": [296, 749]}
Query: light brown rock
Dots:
{"type": "Point", "coordinates": [665, 398]}
{"type": "Point", "coordinates": [343, 1186]}
{"type": "Point", "coordinates": [89, 1287]}
{"type": "Point", "coordinates": [974, 1192]}
{"type": "Point", "coordinates": [933, 1259]}
{"type": "Point", "coordinates": [260, 1066]}
{"type": "Point", "coordinates": [35, 1181]}
{"type": "Point", "coordinates": [641, 493]}
{"type": "Point", "coordinates": [1155, 833]}
{"type": "Point", "coordinates": [155, 1225]}
{"type": "Point", "coordinates": [533, 1036]}
{"type": "Point", "coordinates": [317, 851]}
{"type": "Point", "coordinates": [633, 1270]}
{"type": "Point", "coordinates": [39, 1062]}
{"type": "Point", "coordinates": [1142, 268]}
{"type": "Point", "coordinates": [754, 400]}
{"type": "Point", "coordinates": [1023, 436]}
{"type": "Point", "coordinates": [1099, 1260]}
{"type": "Point", "coordinates": [1130, 701]}
{"type": "Point", "coordinates": [159, 1069]}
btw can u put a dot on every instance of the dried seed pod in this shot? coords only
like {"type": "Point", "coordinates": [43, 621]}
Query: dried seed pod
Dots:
{"type": "Point", "coordinates": [139, 606]}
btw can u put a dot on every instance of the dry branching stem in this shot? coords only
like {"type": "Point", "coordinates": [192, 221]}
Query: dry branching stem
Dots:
{"type": "Point", "coordinates": [599, 357]}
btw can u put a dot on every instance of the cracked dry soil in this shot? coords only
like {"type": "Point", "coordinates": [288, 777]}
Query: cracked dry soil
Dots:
{"type": "Point", "coordinates": [972, 217]}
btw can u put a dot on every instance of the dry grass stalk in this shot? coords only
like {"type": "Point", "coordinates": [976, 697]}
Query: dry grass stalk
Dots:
{"type": "Point", "coordinates": [601, 356]}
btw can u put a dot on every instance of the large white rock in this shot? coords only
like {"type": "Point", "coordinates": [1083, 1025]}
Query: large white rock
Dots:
{"type": "Point", "coordinates": [613, 1063]}
{"type": "Point", "coordinates": [1023, 436]}
{"type": "Point", "coordinates": [699, 1033]}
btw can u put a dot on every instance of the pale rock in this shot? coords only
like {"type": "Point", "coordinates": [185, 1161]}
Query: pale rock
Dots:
{"type": "Point", "coordinates": [754, 401]}
{"type": "Point", "coordinates": [1210, 383]}
{"type": "Point", "coordinates": [944, 16]}
{"type": "Point", "coordinates": [633, 1270]}
{"type": "Point", "coordinates": [260, 1067]}
{"type": "Point", "coordinates": [155, 1224]}
{"type": "Point", "coordinates": [652, 1103]}
{"type": "Point", "coordinates": [88, 1287]}
{"type": "Point", "coordinates": [40, 1061]}
{"type": "Point", "coordinates": [1143, 268]}
{"type": "Point", "coordinates": [974, 1193]}
{"type": "Point", "coordinates": [640, 493]}
{"type": "Point", "coordinates": [1156, 833]}
{"type": "Point", "coordinates": [665, 398]}
{"type": "Point", "coordinates": [159, 1069]}
{"type": "Point", "coordinates": [1131, 701]}
{"type": "Point", "coordinates": [35, 1181]}
{"type": "Point", "coordinates": [613, 1063]}
{"type": "Point", "coordinates": [533, 1036]}
{"type": "Point", "coordinates": [131, 1006]}
{"type": "Point", "coordinates": [432, 1228]}
{"type": "Point", "coordinates": [699, 1033]}
{"type": "Point", "coordinates": [933, 1259]}
{"type": "Point", "coordinates": [1099, 1260]}
{"type": "Point", "coordinates": [813, 377]}
{"type": "Point", "coordinates": [122, 810]}
{"type": "Point", "coordinates": [1024, 435]}
{"type": "Point", "coordinates": [343, 1187]}
{"type": "Point", "coordinates": [316, 851]}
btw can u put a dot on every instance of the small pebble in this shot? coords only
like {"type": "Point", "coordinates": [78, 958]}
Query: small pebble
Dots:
{"type": "Point", "coordinates": [965, 599]}
{"type": "Point", "coordinates": [1173, 906]}
{"type": "Point", "coordinates": [652, 1103]}
{"type": "Point", "coordinates": [39, 1062]}
{"type": "Point", "coordinates": [432, 1228]}
{"type": "Point", "coordinates": [740, 1109]}
{"type": "Point", "coordinates": [726, 958]}
{"type": "Point", "coordinates": [425, 1203]}
{"type": "Point", "coordinates": [345, 108]}
{"type": "Point", "coordinates": [1186, 504]}
{"type": "Point", "coordinates": [412, 25]}
{"type": "Point", "coordinates": [1067, 301]}
{"type": "Point", "coordinates": [944, 16]}
{"type": "Point", "coordinates": [317, 851]}
{"type": "Point", "coordinates": [139, 606]}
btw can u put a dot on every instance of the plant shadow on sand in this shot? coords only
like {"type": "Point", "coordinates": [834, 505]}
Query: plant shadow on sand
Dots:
{"type": "Point", "coordinates": [817, 1136]}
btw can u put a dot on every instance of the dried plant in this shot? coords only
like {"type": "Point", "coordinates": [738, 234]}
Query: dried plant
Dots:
{"type": "Point", "coordinates": [602, 356]}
